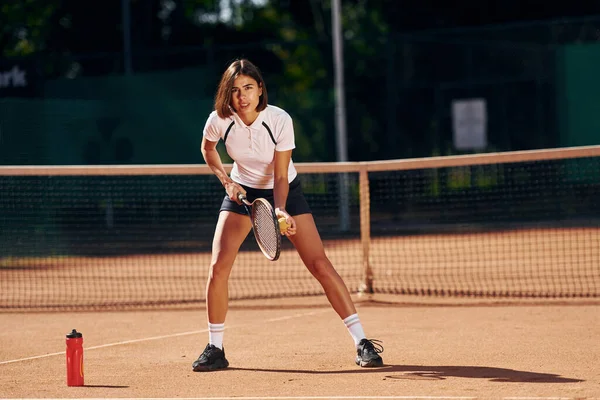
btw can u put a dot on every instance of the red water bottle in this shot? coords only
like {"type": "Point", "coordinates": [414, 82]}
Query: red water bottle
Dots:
{"type": "Point", "coordinates": [74, 358]}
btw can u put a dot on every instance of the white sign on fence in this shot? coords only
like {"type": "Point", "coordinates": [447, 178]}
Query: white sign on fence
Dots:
{"type": "Point", "coordinates": [469, 123]}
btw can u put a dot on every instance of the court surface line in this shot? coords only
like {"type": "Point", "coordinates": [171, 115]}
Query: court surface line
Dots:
{"type": "Point", "coordinates": [290, 398]}
{"type": "Point", "coordinates": [317, 398]}
{"type": "Point", "coordinates": [124, 342]}
{"type": "Point", "coordinates": [313, 398]}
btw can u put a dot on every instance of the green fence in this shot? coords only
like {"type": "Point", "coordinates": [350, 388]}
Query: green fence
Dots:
{"type": "Point", "coordinates": [149, 118]}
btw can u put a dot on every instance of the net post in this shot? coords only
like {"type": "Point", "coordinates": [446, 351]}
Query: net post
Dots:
{"type": "Point", "coordinates": [366, 287]}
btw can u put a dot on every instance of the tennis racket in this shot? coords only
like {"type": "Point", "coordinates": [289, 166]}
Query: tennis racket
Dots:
{"type": "Point", "coordinates": [267, 229]}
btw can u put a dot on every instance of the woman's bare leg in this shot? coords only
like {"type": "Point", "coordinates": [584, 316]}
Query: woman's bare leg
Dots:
{"type": "Point", "coordinates": [230, 233]}
{"type": "Point", "coordinates": [310, 248]}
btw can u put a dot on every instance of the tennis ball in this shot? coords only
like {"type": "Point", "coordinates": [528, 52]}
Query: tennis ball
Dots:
{"type": "Point", "coordinates": [283, 225]}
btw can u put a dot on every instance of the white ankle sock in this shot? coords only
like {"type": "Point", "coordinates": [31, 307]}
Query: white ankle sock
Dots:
{"type": "Point", "coordinates": [215, 334]}
{"type": "Point", "coordinates": [355, 328]}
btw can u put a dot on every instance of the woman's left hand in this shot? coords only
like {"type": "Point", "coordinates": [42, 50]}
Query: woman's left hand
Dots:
{"type": "Point", "coordinates": [288, 226]}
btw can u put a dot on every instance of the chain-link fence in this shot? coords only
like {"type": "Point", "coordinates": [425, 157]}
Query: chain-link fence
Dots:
{"type": "Point", "coordinates": [399, 95]}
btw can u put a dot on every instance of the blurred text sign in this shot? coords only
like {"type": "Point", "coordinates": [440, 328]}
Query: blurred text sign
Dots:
{"type": "Point", "coordinates": [469, 121]}
{"type": "Point", "coordinates": [18, 79]}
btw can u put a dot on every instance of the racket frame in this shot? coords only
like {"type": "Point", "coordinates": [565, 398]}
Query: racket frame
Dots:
{"type": "Point", "coordinates": [250, 207]}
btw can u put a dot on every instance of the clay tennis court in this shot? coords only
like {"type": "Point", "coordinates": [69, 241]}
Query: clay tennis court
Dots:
{"type": "Point", "coordinates": [297, 347]}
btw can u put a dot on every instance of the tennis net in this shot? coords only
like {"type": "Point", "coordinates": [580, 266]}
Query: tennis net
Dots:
{"type": "Point", "coordinates": [514, 224]}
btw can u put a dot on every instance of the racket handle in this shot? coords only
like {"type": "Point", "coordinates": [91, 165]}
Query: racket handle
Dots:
{"type": "Point", "coordinates": [242, 198]}
{"type": "Point", "coordinates": [283, 225]}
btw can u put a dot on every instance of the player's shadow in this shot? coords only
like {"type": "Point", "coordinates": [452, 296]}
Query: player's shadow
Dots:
{"type": "Point", "coordinates": [440, 372]}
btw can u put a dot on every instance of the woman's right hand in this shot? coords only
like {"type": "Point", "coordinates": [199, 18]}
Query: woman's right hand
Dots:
{"type": "Point", "coordinates": [233, 189]}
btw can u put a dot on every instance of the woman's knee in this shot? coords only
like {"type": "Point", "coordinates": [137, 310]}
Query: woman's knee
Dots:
{"type": "Point", "coordinates": [320, 267]}
{"type": "Point", "coordinates": [219, 270]}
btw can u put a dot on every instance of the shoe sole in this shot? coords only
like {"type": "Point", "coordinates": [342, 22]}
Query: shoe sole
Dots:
{"type": "Point", "coordinates": [217, 365]}
{"type": "Point", "coordinates": [370, 363]}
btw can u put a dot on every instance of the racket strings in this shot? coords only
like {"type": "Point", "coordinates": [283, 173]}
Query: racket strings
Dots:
{"type": "Point", "coordinates": [265, 228]}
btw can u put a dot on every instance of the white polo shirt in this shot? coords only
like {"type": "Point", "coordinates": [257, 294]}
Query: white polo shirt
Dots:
{"type": "Point", "coordinates": [253, 147]}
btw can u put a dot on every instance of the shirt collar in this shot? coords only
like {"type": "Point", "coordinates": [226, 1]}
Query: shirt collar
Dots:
{"type": "Point", "coordinates": [257, 124]}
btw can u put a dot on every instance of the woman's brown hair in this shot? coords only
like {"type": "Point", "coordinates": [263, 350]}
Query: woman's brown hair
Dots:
{"type": "Point", "coordinates": [235, 69]}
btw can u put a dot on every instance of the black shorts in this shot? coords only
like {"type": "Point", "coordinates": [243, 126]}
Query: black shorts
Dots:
{"type": "Point", "coordinates": [296, 203]}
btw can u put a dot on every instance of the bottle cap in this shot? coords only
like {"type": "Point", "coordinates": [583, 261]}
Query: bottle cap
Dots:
{"type": "Point", "coordinates": [74, 334]}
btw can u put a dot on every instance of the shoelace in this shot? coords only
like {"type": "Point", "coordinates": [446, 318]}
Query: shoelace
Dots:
{"type": "Point", "coordinates": [375, 345]}
{"type": "Point", "coordinates": [210, 350]}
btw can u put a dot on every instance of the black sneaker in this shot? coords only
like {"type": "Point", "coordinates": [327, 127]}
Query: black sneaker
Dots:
{"type": "Point", "coordinates": [211, 358]}
{"type": "Point", "coordinates": [368, 353]}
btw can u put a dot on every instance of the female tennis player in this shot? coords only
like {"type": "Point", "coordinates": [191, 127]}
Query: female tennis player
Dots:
{"type": "Point", "coordinates": [260, 138]}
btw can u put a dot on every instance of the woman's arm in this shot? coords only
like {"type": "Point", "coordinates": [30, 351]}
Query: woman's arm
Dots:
{"type": "Point", "coordinates": [281, 188]}
{"type": "Point", "coordinates": [213, 160]}
{"type": "Point", "coordinates": [281, 185]}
